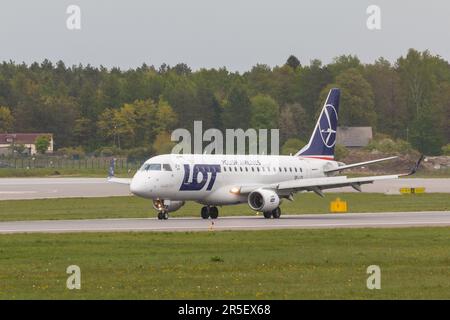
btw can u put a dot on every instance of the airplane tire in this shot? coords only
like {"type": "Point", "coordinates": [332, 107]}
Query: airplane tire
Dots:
{"type": "Point", "coordinates": [213, 212]}
{"type": "Point", "coordinates": [204, 212]}
{"type": "Point", "coordinates": [163, 215]}
{"type": "Point", "coordinates": [267, 214]}
{"type": "Point", "coordinates": [276, 213]}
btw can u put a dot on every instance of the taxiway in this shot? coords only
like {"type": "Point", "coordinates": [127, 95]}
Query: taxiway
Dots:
{"type": "Point", "coordinates": [349, 220]}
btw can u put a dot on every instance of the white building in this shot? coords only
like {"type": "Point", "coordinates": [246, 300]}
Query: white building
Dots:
{"type": "Point", "coordinates": [28, 140]}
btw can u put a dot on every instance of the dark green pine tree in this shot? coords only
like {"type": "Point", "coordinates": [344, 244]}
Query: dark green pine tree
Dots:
{"type": "Point", "coordinates": [237, 111]}
{"type": "Point", "coordinates": [293, 62]}
{"type": "Point", "coordinates": [424, 133]}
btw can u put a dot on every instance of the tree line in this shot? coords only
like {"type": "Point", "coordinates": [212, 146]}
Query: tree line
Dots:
{"type": "Point", "coordinates": [93, 108]}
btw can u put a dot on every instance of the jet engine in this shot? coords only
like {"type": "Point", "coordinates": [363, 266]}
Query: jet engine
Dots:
{"type": "Point", "coordinates": [263, 200]}
{"type": "Point", "coordinates": [167, 205]}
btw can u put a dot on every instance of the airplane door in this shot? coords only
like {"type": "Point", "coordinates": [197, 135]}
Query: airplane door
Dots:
{"type": "Point", "coordinates": [306, 168]}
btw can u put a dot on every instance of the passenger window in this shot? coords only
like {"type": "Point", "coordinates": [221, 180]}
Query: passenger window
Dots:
{"type": "Point", "coordinates": [167, 167]}
{"type": "Point", "coordinates": [285, 170]}
{"type": "Point", "coordinates": [253, 169]}
{"type": "Point", "coordinates": [246, 169]}
{"type": "Point", "coordinates": [235, 168]}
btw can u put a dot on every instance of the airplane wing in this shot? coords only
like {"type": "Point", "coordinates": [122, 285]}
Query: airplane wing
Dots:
{"type": "Point", "coordinates": [119, 180]}
{"type": "Point", "coordinates": [318, 184]}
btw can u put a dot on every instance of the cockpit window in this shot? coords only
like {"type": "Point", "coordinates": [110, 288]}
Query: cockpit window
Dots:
{"type": "Point", "coordinates": [151, 167]}
{"type": "Point", "coordinates": [154, 167]}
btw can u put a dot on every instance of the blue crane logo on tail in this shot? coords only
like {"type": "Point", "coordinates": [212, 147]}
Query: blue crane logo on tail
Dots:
{"type": "Point", "coordinates": [329, 116]}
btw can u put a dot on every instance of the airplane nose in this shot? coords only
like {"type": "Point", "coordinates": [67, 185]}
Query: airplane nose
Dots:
{"type": "Point", "coordinates": [137, 187]}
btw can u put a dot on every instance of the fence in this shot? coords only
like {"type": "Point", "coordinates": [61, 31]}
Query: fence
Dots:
{"type": "Point", "coordinates": [64, 163]}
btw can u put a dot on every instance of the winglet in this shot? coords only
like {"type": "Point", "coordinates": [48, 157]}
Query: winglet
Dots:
{"type": "Point", "coordinates": [416, 166]}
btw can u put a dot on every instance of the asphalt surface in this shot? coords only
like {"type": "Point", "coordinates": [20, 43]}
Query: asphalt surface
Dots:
{"type": "Point", "coordinates": [39, 188]}
{"type": "Point", "coordinates": [316, 221]}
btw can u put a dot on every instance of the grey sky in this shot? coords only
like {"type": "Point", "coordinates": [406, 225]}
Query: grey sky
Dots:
{"type": "Point", "coordinates": [212, 33]}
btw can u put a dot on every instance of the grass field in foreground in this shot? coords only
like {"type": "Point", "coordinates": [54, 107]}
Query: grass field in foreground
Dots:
{"type": "Point", "coordinates": [279, 264]}
{"type": "Point", "coordinates": [134, 207]}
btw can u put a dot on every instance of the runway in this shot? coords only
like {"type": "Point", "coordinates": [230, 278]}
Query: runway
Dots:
{"type": "Point", "coordinates": [40, 188]}
{"type": "Point", "coordinates": [312, 221]}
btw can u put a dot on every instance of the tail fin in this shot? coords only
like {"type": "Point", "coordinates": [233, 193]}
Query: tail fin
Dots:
{"type": "Point", "coordinates": [322, 141]}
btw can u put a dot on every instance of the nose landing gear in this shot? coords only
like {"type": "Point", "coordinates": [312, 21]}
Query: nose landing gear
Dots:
{"type": "Point", "coordinates": [163, 215]}
{"type": "Point", "coordinates": [209, 212]}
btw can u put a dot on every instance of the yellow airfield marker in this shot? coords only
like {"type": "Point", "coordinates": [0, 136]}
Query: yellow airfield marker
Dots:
{"type": "Point", "coordinates": [412, 190]}
{"type": "Point", "coordinates": [338, 206]}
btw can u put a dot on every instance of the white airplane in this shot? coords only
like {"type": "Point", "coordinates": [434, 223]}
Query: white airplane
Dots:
{"type": "Point", "coordinates": [262, 181]}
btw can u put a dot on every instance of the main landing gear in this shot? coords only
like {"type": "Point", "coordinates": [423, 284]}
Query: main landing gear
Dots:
{"type": "Point", "coordinates": [276, 213]}
{"type": "Point", "coordinates": [209, 212]}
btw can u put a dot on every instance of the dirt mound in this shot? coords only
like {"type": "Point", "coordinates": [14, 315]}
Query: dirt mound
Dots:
{"type": "Point", "coordinates": [403, 163]}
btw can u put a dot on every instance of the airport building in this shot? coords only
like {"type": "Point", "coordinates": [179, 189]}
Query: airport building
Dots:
{"type": "Point", "coordinates": [354, 137]}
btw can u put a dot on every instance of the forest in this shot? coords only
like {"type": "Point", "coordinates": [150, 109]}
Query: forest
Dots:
{"type": "Point", "coordinates": [95, 108]}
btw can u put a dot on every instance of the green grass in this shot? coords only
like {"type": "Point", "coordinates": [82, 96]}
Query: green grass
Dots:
{"type": "Point", "coordinates": [428, 174]}
{"type": "Point", "coordinates": [441, 173]}
{"type": "Point", "coordinates": [281, 264]}
{"type": "Point", "coordinates": [134, 207]}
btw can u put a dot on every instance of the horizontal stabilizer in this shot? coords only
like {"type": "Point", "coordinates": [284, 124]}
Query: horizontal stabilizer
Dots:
{"type": "Point", "coordinates": [119, 180]}
{"type": "Point", "coordinates": [359, 164]}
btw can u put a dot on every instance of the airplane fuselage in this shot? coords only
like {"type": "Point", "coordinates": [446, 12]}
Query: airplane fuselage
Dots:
{"type": "Point", "coordinates": [211, 179]}
{"type": "Point", "coordinates": [261, 181]}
